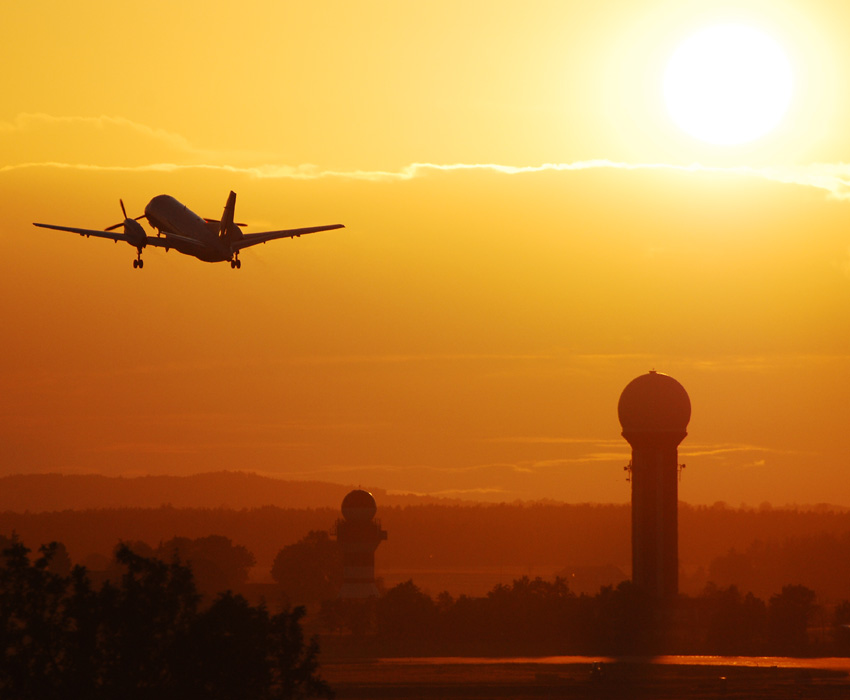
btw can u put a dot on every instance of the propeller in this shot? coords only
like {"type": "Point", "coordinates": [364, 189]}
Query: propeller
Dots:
{"type": "Point", "coordinates": [126, 218]}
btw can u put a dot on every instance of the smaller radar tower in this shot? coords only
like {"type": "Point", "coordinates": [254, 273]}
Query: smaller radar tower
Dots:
{"type": "Point", "coordinates": [359, 535]}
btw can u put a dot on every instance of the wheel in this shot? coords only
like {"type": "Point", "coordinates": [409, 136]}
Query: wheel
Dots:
{"type": "Point", "coordinates": [238, 264]}
{"type": "Point", "coordinates": [141, 264]}
{"type": "Point", "coordinates": [135, 264]}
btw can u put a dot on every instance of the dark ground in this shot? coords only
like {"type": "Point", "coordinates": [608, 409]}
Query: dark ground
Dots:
{"type": "Point", "coordinates": [383, 680]}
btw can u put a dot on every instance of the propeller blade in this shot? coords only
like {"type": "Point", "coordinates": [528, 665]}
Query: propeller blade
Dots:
{"type": "Point", "coordinates": [126, 218]}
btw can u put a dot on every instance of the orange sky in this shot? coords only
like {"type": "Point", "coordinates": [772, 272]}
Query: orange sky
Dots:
{"type": "Point", "coordinates": [471, 328]}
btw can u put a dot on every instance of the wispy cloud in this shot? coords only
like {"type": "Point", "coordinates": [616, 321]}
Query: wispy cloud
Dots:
{"type": "Point", "coordinates": [414, 358]}
{"type": "Point", "coordinates": [720, 450]}
{"type": "Point", "coordinates": [764, 363]}
{"type": "Point", "coordinates": [833, 178]}
{"type": "Point", "coordinates": [456, 493]}
{"type": "Point", "coordinates": [117, 144]}
{"type": "Point", "coordinates": [103, 143]}
{"type": "Point", "coordinates": [551, 440]}
{"type": "Point", "coordinates": [39, 123]}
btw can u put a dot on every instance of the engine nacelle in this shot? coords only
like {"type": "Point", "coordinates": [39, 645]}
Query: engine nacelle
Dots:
{"type": "Point", "coordinates": [135, 233]}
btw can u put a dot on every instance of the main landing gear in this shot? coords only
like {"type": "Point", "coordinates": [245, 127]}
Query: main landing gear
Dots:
{"type": "Point", "coordinates": [236, 263]}
{"type": "Point", "coordinates": [138, 262]}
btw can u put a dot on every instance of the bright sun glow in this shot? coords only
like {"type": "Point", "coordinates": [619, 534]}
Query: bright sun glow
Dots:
{"type": "Point", "coordinates": [728, 84]}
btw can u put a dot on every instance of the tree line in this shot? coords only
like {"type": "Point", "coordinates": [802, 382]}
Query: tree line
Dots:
{"type": "Point", "coordinates": [478, 535]}
{"type": "Point", "coordinates": [535, 617]}
{"type": "Point", "coordinates": [542, 617]}
{"type": "Point", "coordinates": [142, 635]}
{"type": "Point", "coordinates": [148, 631]}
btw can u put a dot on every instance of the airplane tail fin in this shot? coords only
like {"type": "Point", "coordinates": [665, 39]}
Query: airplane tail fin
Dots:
{"type": "Point", "coordinates": [228, 230]}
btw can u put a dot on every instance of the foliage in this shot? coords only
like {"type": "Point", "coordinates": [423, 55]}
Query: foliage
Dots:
{"type": "Point", "coordinates": [37, 636]}
{"type": "Point", "coordinates": [820, 561]}
{"type": "Point", "coordinates": [405, 615]}
{"type": "Point", "coordinates": [788, 619]}
{"type": "Point", "coordinates": [841, 628]}
{"type": "Point", "coordinates": [216, 562]}
{"type": "Point", "coordinates": [810, 547]}
{"type": "Point", "coordinates": [735, 622]}
{"type": "Point", "coordinates": [534, 617]}
{"type": "Point", "coordinates": [143, 636]}
{"type": "Point", "coordinates": [310, 570]}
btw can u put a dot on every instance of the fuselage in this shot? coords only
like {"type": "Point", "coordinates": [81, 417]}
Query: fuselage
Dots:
{"type": "Point", "coordinates": [167, 215]}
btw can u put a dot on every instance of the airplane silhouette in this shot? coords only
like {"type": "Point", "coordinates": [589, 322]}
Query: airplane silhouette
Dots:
{"type": "Point", "coordinates": [180, 228]}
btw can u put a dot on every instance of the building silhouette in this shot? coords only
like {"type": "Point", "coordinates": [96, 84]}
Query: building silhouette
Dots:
{"type": "Point", "coordinates": [654, 411]}
{"type": "Point", "coordinates": [359, 535]}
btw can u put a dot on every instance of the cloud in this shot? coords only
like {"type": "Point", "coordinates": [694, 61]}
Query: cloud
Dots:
{"type": "Point", "coordinates": [412, 358]}
{"type": "Point", "coordinates": [726, 449]}
{"type": "Point", "coordinates": [117, 144]}
{"type": "Point", "coordinates": [456, 493]}
{"type": "Point", "coordinates": [834, 179]}
{"type": "Point", "coordinates": [749, 364]}
{"type": "Point", "coordinates": [100, 143]}
{"type": "Point", "coordinates": [548, 440]}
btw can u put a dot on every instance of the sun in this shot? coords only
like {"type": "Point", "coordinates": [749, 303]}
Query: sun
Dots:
{"type": "Point", "coordinates": [728, 84]}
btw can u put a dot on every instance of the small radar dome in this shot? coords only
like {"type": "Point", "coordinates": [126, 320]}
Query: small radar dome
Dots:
{"type": "Point", "coordinates": [359, 505]}
{"type": "Point", "coordinates": [654, 403]}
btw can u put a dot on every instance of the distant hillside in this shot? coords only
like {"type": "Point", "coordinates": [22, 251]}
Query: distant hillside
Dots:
{"type": "Point", "coordinates": [38, 493]}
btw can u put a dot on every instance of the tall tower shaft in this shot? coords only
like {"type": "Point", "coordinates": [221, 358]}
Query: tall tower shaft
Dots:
{"type": "Point", "coordinates": [654, 411]}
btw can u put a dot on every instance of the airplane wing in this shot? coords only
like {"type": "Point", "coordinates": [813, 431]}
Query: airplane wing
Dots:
{"type": "Point", "coordinates": [250, 239]}
{"type": "Point", "coordinates": [157, 242]}
{"type": "Point", "coordinates": [112, 235]}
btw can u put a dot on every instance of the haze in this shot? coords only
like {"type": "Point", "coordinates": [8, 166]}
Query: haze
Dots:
{"type": "Point", "coordinates": [470, 330]}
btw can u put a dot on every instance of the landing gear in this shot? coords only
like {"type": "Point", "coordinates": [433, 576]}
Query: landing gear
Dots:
{"type": "Point", "coordinates": [235, 263]}
{"type": "Point", "coordinates": [138, 262]}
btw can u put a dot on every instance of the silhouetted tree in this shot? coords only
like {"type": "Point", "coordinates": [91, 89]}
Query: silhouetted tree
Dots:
{"type": "Point", "coordinates": [788, 619]}
{"type": "Point", "coordinates": [240, 651]}
{"type": "Point", "coordinates": [530, 615]}
{"type": "Point", "coordinates": [84, 644]}
{"type": "Point", "coordinates": [142, 637]}
{"type": "Point", "coordinates": [626, 621]}
{"type": "Point", "coordinates": [34, 626]}
{"type": "Point", "coordinates": [310, 570]}
{"type": "Point", "coordinates": [116, 569]}
{"type": "Point", "coordinates": [146, 622]}
{"type": "Point", "coordinates": [736, 623]}
{"type": "Point", "coordinates": [60, 561]}
{"type": "Point", "coordinates": [217, 564]}
{"type": "Point", "coordinates": [294, 662]}
{"type": "Point", "coordinates": [406, 616]}
{"type": "Point", "coordinates": [841, 627]}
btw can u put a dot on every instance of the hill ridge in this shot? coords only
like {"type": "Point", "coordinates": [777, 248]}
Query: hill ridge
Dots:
{"type": "Point", "coordinates": [54, 491]}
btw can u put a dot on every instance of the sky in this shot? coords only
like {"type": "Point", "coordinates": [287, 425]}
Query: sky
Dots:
{"type": "Point", "coordinates": [526, 231]}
